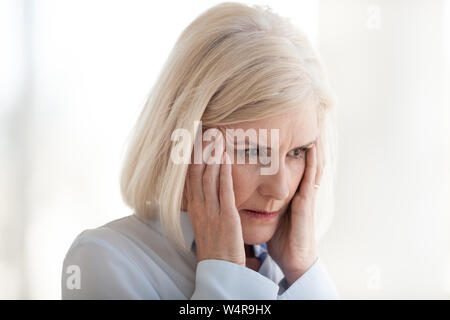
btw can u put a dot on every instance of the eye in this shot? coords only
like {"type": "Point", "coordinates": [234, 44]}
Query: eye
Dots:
{"type": "Point", "coordinates": [298, 153]}
{"type": "Point", "coordinates": [253, 156]}
{"type": "Point", "coordinates": [251, 152]}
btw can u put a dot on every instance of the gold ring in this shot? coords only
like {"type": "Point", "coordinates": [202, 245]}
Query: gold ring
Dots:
{"type": "Point", "coordinates": [316, 186]}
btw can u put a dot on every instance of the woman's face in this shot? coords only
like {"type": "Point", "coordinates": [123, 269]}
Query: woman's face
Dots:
{"type": "Point", "coordinates": [254, 191]}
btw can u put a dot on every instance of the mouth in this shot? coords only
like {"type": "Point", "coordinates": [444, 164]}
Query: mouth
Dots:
{"type": "Point", "coordinates": [264, 215]}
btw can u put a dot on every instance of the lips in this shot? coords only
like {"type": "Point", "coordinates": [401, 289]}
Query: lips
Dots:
{"type": "Point", "coordinates": [263, 212]}
{"type": "Point", "coordinates": [265, 215]}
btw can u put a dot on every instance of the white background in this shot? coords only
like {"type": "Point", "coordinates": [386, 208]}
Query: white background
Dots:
{"type": "Point", "coordinates": [74, 75]}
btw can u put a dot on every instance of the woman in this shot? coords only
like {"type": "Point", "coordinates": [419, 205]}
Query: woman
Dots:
{"type": "Point", "coordinates": [205, 229]}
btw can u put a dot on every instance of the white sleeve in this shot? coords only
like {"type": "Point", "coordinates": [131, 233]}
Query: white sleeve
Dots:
{"type": "Point", "coordinates": [94, 269]}
{"type": "Point", "coordinates": [314, 284]}
{"type": "Point", "coordinates": [224, 280]}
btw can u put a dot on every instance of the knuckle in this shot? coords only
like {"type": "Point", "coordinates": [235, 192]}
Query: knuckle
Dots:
{"type": "Point", "coordinates": [195, 169]}
{"type": "Point", "coordinates": [208, 179]}
{"type": "Point", "coordinates": [196, 208]}
{"type": "Point", "coordinates": [213, 208]}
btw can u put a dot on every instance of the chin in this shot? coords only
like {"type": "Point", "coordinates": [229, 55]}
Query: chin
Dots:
{"type": "Point", "coordinates": [254, 234]}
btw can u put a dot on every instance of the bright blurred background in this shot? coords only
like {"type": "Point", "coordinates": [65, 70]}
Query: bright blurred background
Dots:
{"type": "Point", "coordinates": [74, 75]}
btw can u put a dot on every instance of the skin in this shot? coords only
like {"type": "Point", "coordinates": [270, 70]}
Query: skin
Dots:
{"type": "Point", "coordinates": [290, 235]}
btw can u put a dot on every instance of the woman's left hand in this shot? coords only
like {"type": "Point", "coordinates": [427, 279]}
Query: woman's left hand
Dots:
{"type": "Point", "coordinates": [293, 245]}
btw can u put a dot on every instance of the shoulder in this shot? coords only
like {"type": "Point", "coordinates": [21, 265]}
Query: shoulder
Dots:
{"type": "Point", "coordinates": [110, 238]}
{"type": "Point", "coordinates": [124, 236]}
{"type": "Point", "coordinates": [105, 262]}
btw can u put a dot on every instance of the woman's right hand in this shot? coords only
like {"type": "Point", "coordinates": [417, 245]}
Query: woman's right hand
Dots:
{"type": "Point", "coordinates": [212, 210]}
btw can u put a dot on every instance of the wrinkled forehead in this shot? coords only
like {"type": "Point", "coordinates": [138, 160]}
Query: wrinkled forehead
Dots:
{"type": "Point", "coordinates": [292, 129]}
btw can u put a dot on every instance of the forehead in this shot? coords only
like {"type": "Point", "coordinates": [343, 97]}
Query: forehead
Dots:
{"type": "Point", "coordinates": [295, 127]}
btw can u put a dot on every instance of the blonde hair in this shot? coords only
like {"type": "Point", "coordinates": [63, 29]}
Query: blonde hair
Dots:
{"type": "Point", "coordinates": [233, 63]}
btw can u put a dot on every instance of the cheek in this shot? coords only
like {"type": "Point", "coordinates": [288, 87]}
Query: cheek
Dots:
{"type": "Point", "coordinates": [244, 182]}
{"type": "Point", "coordinates": [245, 179]}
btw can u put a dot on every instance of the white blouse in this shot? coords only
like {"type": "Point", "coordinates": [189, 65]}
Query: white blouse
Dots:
{"type": "Point", "coordinates": [129, 258]}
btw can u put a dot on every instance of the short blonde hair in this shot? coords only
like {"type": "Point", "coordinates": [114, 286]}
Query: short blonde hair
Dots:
{"type": "Point", "coordinates": [233, 63]}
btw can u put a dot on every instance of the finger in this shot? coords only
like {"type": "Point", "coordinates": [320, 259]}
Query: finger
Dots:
{"type": "Point", "coordinates": [227, 201]}
{"type": "Point", "coordinates": [211, 176]}
{"type": "Point", "coordinates": [195, 183]}
{"type": "Point", "coordinates": [307, 184]}
{"type": "Point", "coordinates": [320, 161]}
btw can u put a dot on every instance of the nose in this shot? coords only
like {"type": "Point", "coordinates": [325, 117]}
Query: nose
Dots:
{"type": "Point", "coordinates": [275, 186]}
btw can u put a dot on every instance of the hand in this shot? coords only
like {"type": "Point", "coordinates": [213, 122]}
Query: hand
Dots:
{"type": "Point", "coordinates": [212, 210]}
{"type": "Point", "coordinates": [293, 244]}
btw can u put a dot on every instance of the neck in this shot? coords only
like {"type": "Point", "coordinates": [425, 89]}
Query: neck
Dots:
{"type": "Point", "coordinates": [249, 251]}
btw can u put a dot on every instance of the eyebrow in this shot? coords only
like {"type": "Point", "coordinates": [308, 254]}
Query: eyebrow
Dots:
{"type": "Point", "coordinates": [303, 147]}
